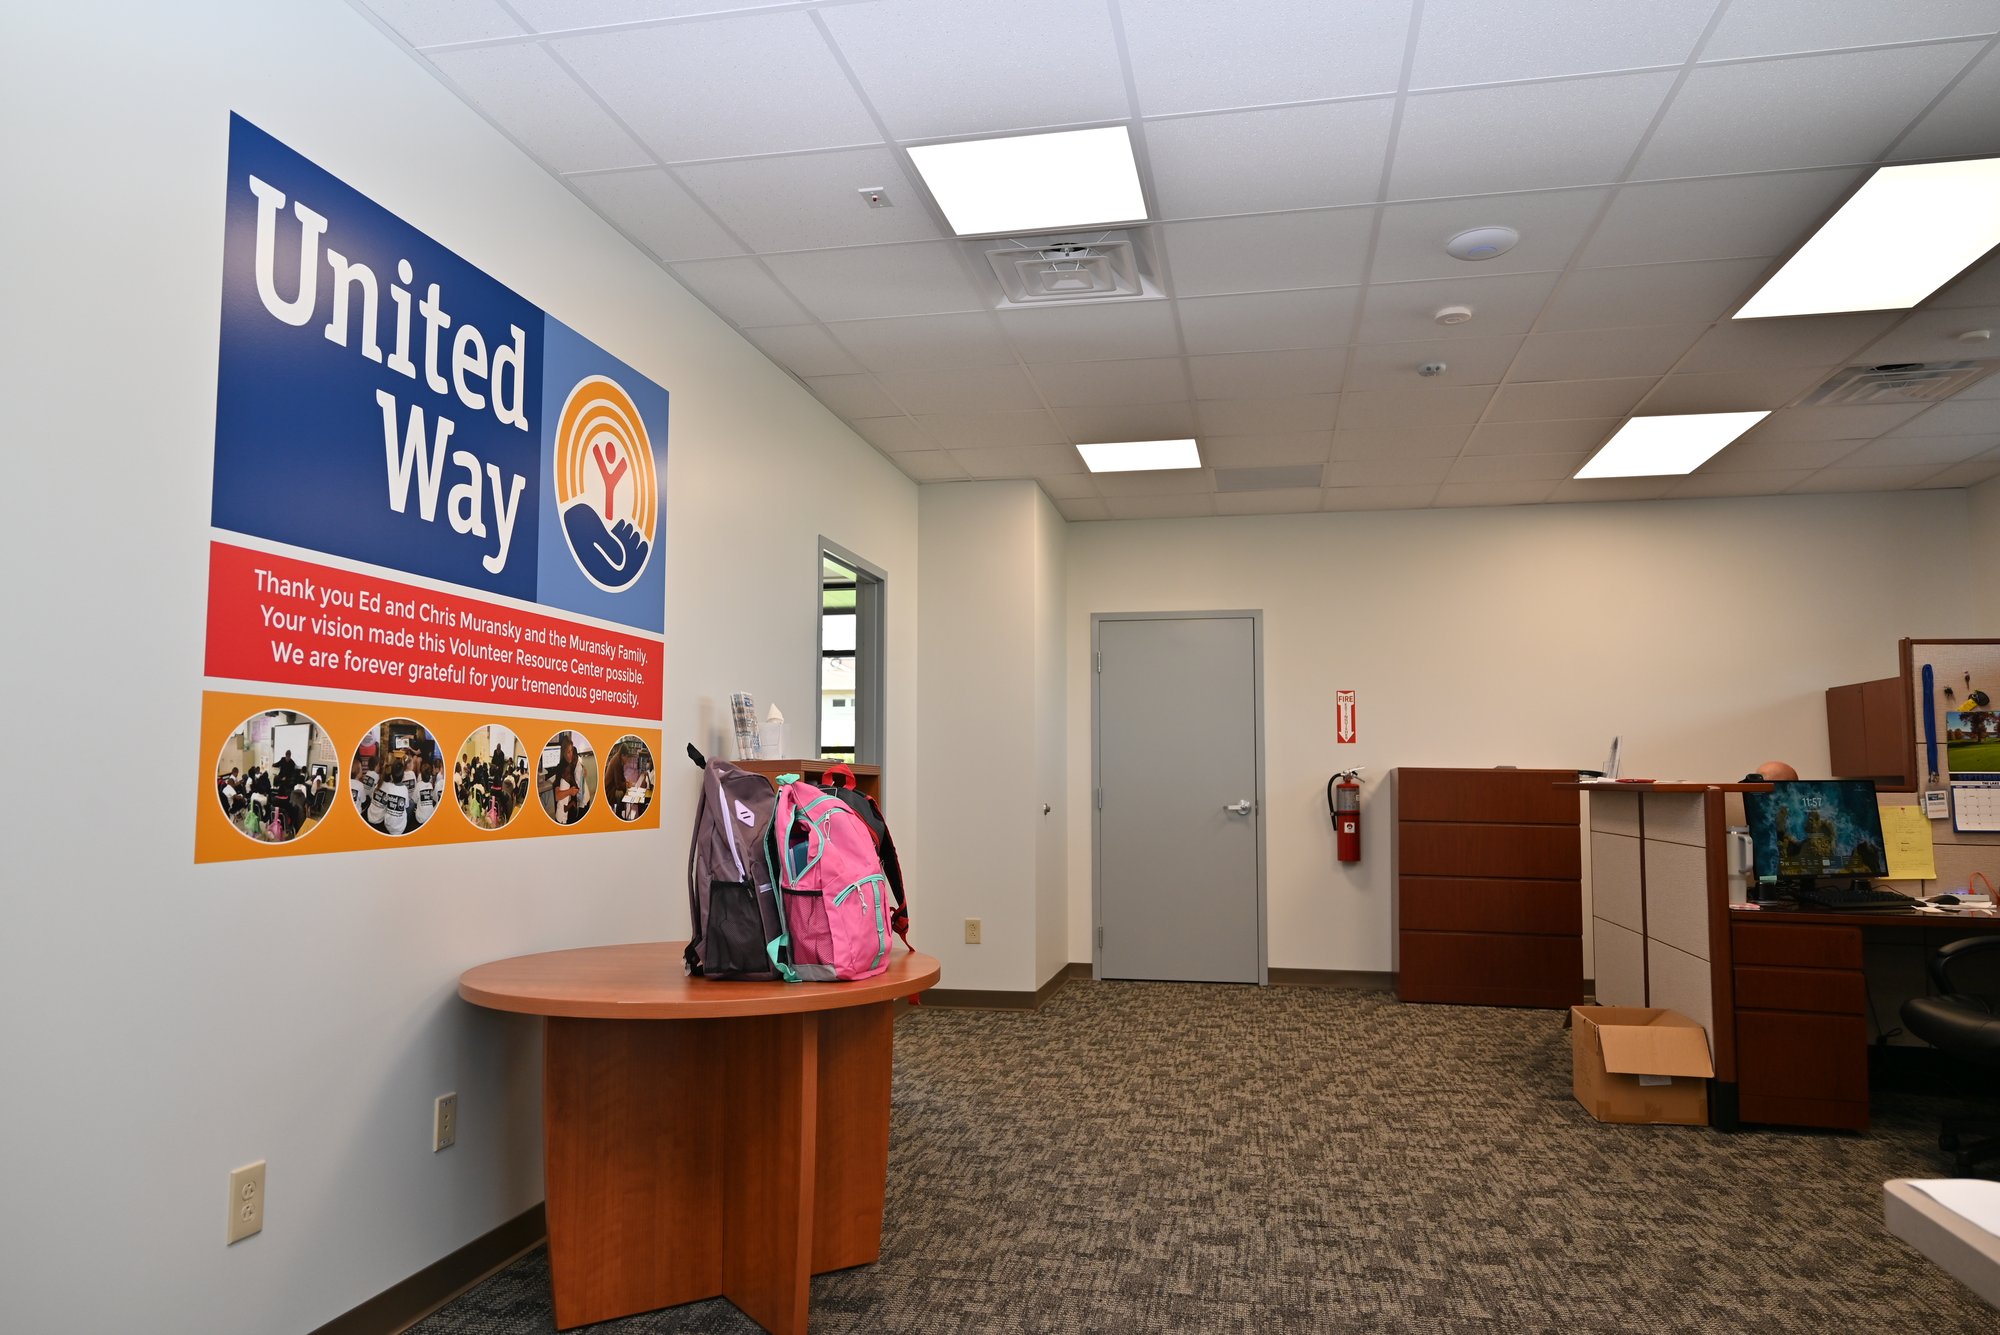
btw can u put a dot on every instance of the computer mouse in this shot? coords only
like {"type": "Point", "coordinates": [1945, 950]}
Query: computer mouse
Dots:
{"type": "Point", "coordinates": [1944, 901]}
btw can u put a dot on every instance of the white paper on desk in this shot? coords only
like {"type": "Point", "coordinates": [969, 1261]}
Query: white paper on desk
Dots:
{"type": "Point", "coordinates": [1973, 1199]}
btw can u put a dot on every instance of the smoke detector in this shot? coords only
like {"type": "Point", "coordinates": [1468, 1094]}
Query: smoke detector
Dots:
{"type": "Point", "coordinates": [1428, 369]}
{"type": "Point", "coordinates": [1897, 382]}
{"type": "Point", "coordinates": [1454, 315]}
{"type": "Point", "coordinates": [1482, 243]}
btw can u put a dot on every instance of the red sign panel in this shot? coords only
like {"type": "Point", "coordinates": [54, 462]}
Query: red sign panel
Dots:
{"type": "Point", "coordinates": [1343, 708]}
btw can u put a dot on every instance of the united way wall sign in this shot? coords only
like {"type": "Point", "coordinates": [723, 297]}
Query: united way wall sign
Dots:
{"type": "Point", "coordinates": [436, 549]}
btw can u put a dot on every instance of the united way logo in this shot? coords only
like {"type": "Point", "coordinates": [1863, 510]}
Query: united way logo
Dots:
{"type": "Point", "coordinates": [606, 489]}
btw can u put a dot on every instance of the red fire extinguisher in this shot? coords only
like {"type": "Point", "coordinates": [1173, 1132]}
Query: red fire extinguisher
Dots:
{"type": "Point", "coordinates": [1343, 802]}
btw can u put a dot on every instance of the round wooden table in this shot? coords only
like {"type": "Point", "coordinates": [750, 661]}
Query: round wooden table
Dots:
{"type": "Point", "coordinates": [737, 1150]}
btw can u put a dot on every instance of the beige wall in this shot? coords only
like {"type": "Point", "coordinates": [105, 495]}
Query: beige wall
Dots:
{"type": "Point", "coordinates": [1051, 740]}
{"type": "Point", "coordinates": [1984, 501]}
{"type": "Point", "coordinates": [1704, 631]}
{"type": "Point", "coordinates": [168, 1022]}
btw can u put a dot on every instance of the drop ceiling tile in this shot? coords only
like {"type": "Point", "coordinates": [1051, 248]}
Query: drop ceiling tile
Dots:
{"type": "Point", "coordinates": [925, 343]}
{"type": "Point", "coordinates": [1552, 225]}
{"type": "Point", "coordinates": [1019, 461]}
{"type": "Point", "coordinates": [561, 15]}
{"type": "Point", "coordinates": [1727, 217]}
{"type": "Point", "coordinates": [1378, 498]}
{"type": "Point", "coordinates": [1333, 152]}
{"type": "Point", "coordinates": [1194, 55]}
{"type": "Point", "coordinates": [1270, 252]}
{"type": "Point", "coordinates": [1785, 27]}
{"type": "Point", "coordinates": [1268, 416]}
{"type": "Point", "coordinates": [981, 389]}
{"type": "Point", "coordinates": [1939, 451]}
{"type": "Point", "coordinates": [740, 291]}
{"type": "Point", "coordinates": [960, 432]}
{"type": "Point", "coordinates": [1407, 312]}
{"type": "Point", "coordinates": [1386, 472]}
{"type": "Point", "coordinates": [1161, 482]}
{"type": "Point", "coordinates": [894, 435]}
{"type": "Point", "coordinates": [650, 207]}
{"type": "Point", "coordinates": [1955, 417]}
{"type": "Point", "coordinates": [1697, 292]}
{"type": "Point", "coordinates": [1979, 391]}
{"type": "Point", "coordinates": [853, 396]}
{"type": "Point", "coordinates": [1977, 286]}
{"type": "Point", "coordinates": [1443, 441]}
{"type": "Point", "coordinates": [1858, 423]}
{"type": "Point", "coordinates": [1970, 474]}
{"type": "Point", "coordinates": [1246, 375]}
{"type": "Point", "coordinates": [1386, 409]}
{"type": "Point", "coordinates": [1160, 507]}
{"type": "Point", "coordinates": [1614, 489]}
{"type": "Point", "coordinates": [1603, 354]}
{"type": "Point", "coordinates": [1083, 509]}
{"type": "Point", "coordinates": [1267, 321]}
{"type": "Point", "coordinates": [1091, 384]}
{"type": "Point", "coordinates": [1462, 43]}
{"type": "Point", "coordinates": [1106, 332]}
{"type": "Point", "coordinates": [1738, 484]}
{"type": "Point", "coordinates": [1067, 485]}
{"type": "Point", "coordinates": [755, 83]}
{"type": "Point", "coordinates": [1932, 336]}
{"type": "Point", "coordinates": [875, 282]}
{"type": "Point", "coordinates": [1808, 111]}
{"type": "Point", "coordinates": [1555, 400]}
{"type": "Point", "coordinates": [431, 22]}
{"type": "Point", "coordinates": [930, 466]}
{"type": "Point", "coordinates": [1303, 447]}
{"type": "Point", "coordinates": [1523, 136]}
{"type": "Point", "coordinates": [1866, 479]}
{"type": "Point", "coordinates": [1467, 361]}
{"type": "Point", "coordinates": [1562, 437]}
{"type": "Point", "coordinates": [1456, 494]}
{"type": "Point", "coordinates": [1285, 501]}
{"type": "Point", "coordinates": [938, 68]}
{"type": "Point", "coordinates": [1516, 467]}
{"type": "Point", "coordinates": [804, 350]}
{"type": "Point", "coordinates": [809, 201]}
{"type": "Point", "coordinates": [1755, 454]}
{"type": "Point", "coordinates": [1961, 124]}
{"type": "Point", "coordinates": [1806, 340]}
{"type": "Point", "coordinates": [1731, 391]}
{"type": "Point", "coordinates": [1128, 421]}
{"type": "Point", "coordinates": [531, 97]}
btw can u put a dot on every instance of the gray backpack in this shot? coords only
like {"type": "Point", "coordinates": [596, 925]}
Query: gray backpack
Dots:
{"type": "Point", "coordinates": [738, 922]}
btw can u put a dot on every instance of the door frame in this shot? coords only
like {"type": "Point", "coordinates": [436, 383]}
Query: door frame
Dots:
{"type": "Point", "coordinates": [871, 605]}
{"type": "Point", "coordinates": [1097, 619]}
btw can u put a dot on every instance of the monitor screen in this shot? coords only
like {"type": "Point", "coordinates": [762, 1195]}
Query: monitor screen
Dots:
{"type": "Point", "coordinates": [1816, 827]}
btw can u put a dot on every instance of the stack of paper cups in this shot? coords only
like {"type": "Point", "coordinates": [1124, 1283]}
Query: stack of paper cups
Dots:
{"type": "Point", "coordinates": [743, 713]}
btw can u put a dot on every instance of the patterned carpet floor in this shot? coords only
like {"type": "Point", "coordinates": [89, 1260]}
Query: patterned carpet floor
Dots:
{"type": "Point", "coordinates": [1178, 1157]}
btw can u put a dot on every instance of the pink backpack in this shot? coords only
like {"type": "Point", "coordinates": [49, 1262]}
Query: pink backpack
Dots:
{"type": "Point", "coordinates": [834, 893]}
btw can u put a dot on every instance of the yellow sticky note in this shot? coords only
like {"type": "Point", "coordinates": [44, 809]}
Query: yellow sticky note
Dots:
{"type": "Point", "coordinates": [1906, 835]}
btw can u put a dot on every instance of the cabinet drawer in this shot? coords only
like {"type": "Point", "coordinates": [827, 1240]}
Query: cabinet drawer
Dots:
{"type": "Point", "coordinates": [1795, 1056]}
{"type": "Point", "coordinates": [1524, 796]}
{"type": "Point", "coordinates": [1827, 991]}
{"type": "Point", "coordinates": [1539, 852]}
{"type": "Point", "coordinates": [1805, 947]}
{"type": "Point", "coordinates": [1489, 969]}
{"type": "Point", "coordinates": [1448, 904]}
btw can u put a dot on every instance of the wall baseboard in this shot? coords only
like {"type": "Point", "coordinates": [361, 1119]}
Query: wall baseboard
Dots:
{"type": "Point", "coordinates": [402, 1305]}
{"type": "Point", "coordinates": [1364, 980]}
{"type": "Point", "coordinates": [954, 998]}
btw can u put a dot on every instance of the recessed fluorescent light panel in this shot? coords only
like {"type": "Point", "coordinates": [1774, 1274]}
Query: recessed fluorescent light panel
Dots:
{"type": "Point", "coordinates": [1904, 234]}
{"type": "Point", "coordinates": [1659, 446]}
{"type": "Point", "coordinates": [1034, 182]}
{"type": "Point", "coordinates": [1134, 456]}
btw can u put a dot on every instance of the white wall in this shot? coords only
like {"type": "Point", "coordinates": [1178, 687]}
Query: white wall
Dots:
{"type": "Point", "coordinates": [167, 1022]}
{"type": "Point", "coordinates": [1706, 632]}
{"type": "Point", "coordinates": [1984, 501]}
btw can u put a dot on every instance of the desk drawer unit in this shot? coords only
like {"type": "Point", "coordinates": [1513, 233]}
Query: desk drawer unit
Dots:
{"type": "Point", "coordinates": [1488, 896]}
{"type": "Point", "coordinates": [1801, 1026]}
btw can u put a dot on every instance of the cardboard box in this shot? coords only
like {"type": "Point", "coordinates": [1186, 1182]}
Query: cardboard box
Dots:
{"type": "Point", "coordinates": [1640, 1064]}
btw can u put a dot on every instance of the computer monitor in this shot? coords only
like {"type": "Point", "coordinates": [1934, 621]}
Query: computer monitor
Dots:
{"type": "Point", "coordinates": [1811, 828]}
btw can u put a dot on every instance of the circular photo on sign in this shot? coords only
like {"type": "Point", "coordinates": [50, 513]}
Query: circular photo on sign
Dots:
{"type": "Point", "coordinates": [396, 779]}
{"type": "Point", "coordinates": [628, 778]}
{"type": "Point", "coordinates": [491, 779]}
{"type": "Point", "coordinates": [566, 777]}
{"type": "Point", "coordinates": [276, 776]}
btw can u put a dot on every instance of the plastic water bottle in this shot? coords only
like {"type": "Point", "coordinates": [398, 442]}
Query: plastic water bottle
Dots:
{"type": "Point", "coordinates": [771, 739]}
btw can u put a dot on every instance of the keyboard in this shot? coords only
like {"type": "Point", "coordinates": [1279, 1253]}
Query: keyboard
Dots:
{"type": "Point", "coordinates": [1852, 899]}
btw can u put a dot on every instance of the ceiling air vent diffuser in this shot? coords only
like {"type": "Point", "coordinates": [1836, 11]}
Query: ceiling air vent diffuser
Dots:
{"type": "Point", "coordinates": [1054, 271]}
{"type": "Point", "coordinates": [1897, 382]}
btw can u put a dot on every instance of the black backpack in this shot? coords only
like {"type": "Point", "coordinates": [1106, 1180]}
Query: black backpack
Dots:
{"type": "Point", "coordinates": [737, 920]}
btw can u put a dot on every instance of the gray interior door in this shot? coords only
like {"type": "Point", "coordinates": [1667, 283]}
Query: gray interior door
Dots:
{"type": "Point", "coordinates": [1177, 831]}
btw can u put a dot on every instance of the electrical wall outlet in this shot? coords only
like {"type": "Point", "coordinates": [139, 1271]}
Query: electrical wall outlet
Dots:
{"type": "Point", "coordinates": [444, 1122]}
{"type": "Point", "coordinates": [972, 931]}
{"type": "Point", "coordinates": [246, 1201]}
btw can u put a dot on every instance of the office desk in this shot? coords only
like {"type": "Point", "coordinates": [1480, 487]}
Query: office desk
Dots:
{"type": "Point", "coordinates": [1956, 1245]}
{"type": "Point", "coordinates": [704, 1138]}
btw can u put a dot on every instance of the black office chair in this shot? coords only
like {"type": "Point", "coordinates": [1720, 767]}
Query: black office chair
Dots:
{"type": "Point", "coordinates": [1967, 1025]}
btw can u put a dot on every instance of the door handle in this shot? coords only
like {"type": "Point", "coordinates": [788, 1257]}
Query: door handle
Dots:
{"type": "Point", "coordinates": [1241, 808]}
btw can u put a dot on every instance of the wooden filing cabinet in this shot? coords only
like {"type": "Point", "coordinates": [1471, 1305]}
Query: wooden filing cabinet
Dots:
{"type": "Point", "coordinates": [1801, 1024]}
{"type": "Point", "coordinates": [1488, 907]}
